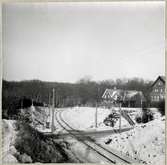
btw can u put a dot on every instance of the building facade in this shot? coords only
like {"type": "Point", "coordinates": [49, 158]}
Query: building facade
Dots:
{"type": "Point", "coordinates": [158, 90]}
{"type": "Point", "coordinates": [129, 98]}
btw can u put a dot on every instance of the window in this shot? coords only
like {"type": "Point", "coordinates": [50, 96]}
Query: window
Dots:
{"type": "Point", "coordinates": [161, 96]}
{"type": "Point", "coordinates": [155, 98]}
{"type": "Point", "coordinates": [156, 90]}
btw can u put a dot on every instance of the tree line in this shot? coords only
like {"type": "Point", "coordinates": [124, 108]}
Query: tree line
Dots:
{"type": "Point", "coordinates": [83, 92]}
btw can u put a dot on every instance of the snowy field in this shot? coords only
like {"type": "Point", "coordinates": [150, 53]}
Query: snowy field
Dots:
{"type": "Point", "coordinates": [83, 118]}
{"type": "Point", "coordinates": [146, 142]}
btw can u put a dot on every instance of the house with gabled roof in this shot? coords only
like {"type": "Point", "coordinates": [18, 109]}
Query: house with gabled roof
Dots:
{"type": "Point", "coordinates": [129, 98]}
{"type": "Point", "coordinates": [157, 93]}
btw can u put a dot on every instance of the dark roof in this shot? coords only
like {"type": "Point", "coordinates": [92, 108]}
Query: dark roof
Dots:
{"type": "Point", "coordinates": [162, 78]}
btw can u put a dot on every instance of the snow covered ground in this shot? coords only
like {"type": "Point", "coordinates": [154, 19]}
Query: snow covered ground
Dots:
{"type": "Point", "coordinates": [8, 140]}
{"type": "Point", "coordinates": [146, 142]}
{"type": "Point", "coordinates": [83, 118]}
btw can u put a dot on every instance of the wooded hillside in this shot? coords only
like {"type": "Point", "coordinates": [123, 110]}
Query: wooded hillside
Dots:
{"type": "Point", "coordinates": [83, 92]}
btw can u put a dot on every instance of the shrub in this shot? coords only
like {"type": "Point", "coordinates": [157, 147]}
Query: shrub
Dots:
{"type": "Point", "coordinates": [138, 119]}
{"type": "Point", "coordinates": [36, 147]}
{"type": "Point", "coordinates": [111, 119]}
{"type": "Point", "coordinates": [24, 158]}
{"type": "Point", "coordinates": [29, 143]}
{"type": "Point", "coordinates": [10, 107]}
{"type": "Point", "coordinates": [147, 115]}
{"type": "Point", "coordinates": [161, 107]}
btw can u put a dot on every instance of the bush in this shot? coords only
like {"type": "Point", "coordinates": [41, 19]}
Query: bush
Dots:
{"type": "Point", "coordinates": [29, 142]}
{"type": "Point", "coordinates": [147, 115]}
{"type": "Point", "coordinates": [26, 117]}
{"type": "Point", "coordinates": [161, 107]}
{"type": "Point", "coordinates": [36, 147]}
{"type": "Point", "coordinates": [111, 119]}
{"type": "Point", "coordinates": [24, 158]}
{"type": "Point", "coordinates": [10, 107]}
{"type": "Point", "coordinates": [138, 119]}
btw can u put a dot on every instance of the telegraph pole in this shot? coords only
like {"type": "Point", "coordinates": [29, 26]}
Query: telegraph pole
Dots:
{"type": "Point", "coordinates": [32, 106]}
{"type": "Point", "coordinates": [49, 104]}
{"type": "Point", "coordinates": [96, 116]}
{"type": "Point", "coordinates": [53, 103]}
{"type": "Point", "coordinates": [21, 103]}
{"type": "Point", "coordinates": [120, 117]}
{"type": "Point", "coordinates": [49, 99]}
{"type": "Point", "coordinates": [96, 107]}
{"type": "Point", "coordinates": [141, 100]}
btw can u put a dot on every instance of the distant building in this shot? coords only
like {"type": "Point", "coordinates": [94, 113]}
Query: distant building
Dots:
{"type": "Point", "coordinates": [158, 89]}
{"type": "Point", "coordinates": [130, 98]}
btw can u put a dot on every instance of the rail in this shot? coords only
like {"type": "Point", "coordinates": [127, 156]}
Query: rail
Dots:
{"type": "Point", "coordinates": [91, 144]}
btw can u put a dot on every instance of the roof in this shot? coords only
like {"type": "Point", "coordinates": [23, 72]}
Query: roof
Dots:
{"type": "Point", "coordinates": [162, 78]}
{"type": "Point", "coordinates": [123, 94]}
{"type": "Point", "coordinates": [111, 92]}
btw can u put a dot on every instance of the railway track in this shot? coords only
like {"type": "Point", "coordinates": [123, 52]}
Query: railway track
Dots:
{"type": "Point", "coordinates": [108, 155]}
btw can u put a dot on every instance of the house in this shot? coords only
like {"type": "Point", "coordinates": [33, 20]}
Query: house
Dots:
{"type": "Point", "coordinates": [129, 98]}
{"type": "Point", "coordinates": [158, 90]}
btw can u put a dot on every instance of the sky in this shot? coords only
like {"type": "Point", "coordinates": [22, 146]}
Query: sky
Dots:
{"type": "Point", "coordinates": [65, 42]}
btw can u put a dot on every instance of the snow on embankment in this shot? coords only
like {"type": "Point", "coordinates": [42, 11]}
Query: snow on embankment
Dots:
{"type": "Point", "coordinates": [145, 142]}
{"type": "Point", "coordinates": [38, 146]}
{"type": "Point", "coordinates": [23, 143]}
{"type": "Point", "coordinates": [8, 140]}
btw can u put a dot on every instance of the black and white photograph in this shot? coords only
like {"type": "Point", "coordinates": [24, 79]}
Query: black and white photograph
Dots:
{"type": "Point", "coordinates": [83, 82]}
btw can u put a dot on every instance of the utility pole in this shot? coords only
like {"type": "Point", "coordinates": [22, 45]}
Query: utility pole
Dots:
{"type": "Point", "coordinates": [32, 106]}
{"type": "Point", "coordinates": [49, 99]}
{"type": "Point", "coordinates": [21, 103]}
{"type": "Point", "coordinates": [141, 102]}
{"type": "Point", "coordinates": [53, 103]}
{"type": "Point", "coordinates": [96, 116]}
{"type": "Point", "coordinates": [120, 117]}
{"type": "Point", "coordinates": [96, 107]}
{"type": "Point", "coordinates": [49, 113]}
